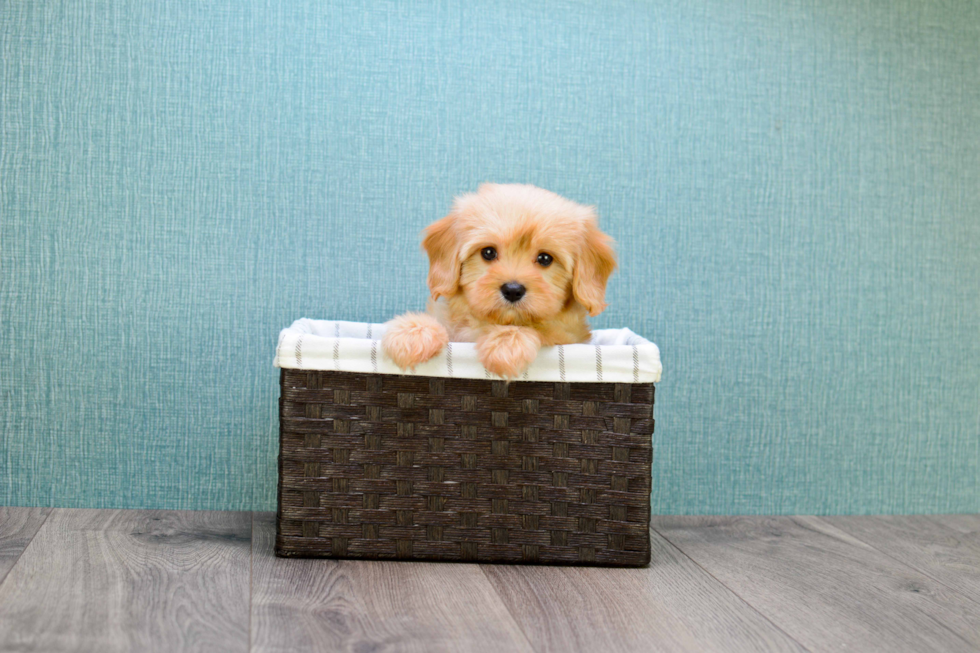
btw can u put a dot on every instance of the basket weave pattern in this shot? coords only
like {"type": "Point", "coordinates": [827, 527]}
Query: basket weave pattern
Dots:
{"type": "Point", "coordinates": [404, 467]}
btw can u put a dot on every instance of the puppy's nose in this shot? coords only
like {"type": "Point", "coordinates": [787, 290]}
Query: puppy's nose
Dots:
{"type": "Point", "coordinates": [512, 291]}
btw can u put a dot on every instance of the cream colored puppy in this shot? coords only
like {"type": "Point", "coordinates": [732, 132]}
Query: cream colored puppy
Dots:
{"type": "Point", "coordinates": [511, 268]}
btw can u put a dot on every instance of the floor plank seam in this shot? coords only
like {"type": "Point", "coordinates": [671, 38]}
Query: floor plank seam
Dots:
{"type": "Point", "coordinates": [21, 554]}
{"type": "Point", "coordinates": [902, 562]}
{"type": "Point", "coordinates": [955, 634]}
{"type": "Point", "coordinates": [734, 593]}
{"type": "Point", "coordinates": [251, 563]}
{"type": "Point", "coordinates": [513, 617]}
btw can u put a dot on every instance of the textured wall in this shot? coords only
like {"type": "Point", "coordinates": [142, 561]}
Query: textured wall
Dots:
{"type": "Point", "coordinates": [795, 187]}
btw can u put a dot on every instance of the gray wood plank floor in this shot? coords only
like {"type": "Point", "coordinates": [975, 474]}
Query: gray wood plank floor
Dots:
{"type": "Point", "coordinates": [671, 606]}
{"type": "Point", "coordinates": [17, 528]}
{"type": "Point", "coordinates": [111, 580]}
{"type": "Point", "coordinates": [114, 580]}
{"type": "Point", "coordinates": [826, 588]}
{"type": "Point", "coordinates": [939, 551]}
{"type": "Point", "coordinates": [330, 605]}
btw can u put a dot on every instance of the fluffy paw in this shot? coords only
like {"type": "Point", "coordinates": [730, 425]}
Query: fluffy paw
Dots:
{"type": "Point", "coordinates": [412, 339]}
{"type": "Point", "coordinates": [507, 350]}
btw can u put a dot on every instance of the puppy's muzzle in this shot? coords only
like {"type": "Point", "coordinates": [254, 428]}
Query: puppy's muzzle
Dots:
{"type": "Point", "coordinates": [512, 291]}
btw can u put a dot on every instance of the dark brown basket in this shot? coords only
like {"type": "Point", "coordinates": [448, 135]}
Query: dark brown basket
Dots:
{"type": "Point", "coordinates": [381, 466]}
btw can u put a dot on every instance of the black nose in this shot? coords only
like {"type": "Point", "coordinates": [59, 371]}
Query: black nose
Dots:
{"type": "Point", "coordinates": [512, 291]}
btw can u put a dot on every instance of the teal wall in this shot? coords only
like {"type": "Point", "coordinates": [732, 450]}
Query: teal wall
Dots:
{"type": "Point", "coordinates": [795, 187]}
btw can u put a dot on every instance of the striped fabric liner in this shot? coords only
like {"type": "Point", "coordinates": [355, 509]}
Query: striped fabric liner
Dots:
{"type": "Point", "coordinates": [612, 356]}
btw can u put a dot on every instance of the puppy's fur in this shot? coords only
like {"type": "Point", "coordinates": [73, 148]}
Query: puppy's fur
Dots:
{"type": "Point", "coordinates": [519, 223]}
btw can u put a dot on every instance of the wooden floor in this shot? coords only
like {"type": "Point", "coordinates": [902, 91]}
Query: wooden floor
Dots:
{"type": "Point", "coordinates": [108, 580]}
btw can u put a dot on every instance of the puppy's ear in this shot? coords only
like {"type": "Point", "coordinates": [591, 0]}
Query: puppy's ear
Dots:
{"type": "Point", "coordinates": [596, 261]}
{"type": "Point", "coordinates": [442, 246]}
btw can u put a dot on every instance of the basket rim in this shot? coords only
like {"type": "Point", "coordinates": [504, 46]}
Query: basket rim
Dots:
{"type": "Point", "coordinates": [340, 346]}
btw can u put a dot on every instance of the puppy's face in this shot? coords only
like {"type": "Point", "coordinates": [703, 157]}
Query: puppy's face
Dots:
{"type": "Point", "coordinates": [519, 255]}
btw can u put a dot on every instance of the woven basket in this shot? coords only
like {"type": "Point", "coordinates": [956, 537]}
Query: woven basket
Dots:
{"type": "Point", "coordinates": [384, 466]}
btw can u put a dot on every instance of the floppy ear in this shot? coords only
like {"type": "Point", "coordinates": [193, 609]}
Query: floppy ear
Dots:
{"type": "Point", "coordinates": [596, 261]}
{"type": "Point", "coordinates": [441, 244]}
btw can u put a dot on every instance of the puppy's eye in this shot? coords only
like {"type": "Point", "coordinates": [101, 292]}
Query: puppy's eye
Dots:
{"type": "Point", "coordinates": [488, 253]}
{"type": "Point", "coordinates": [544, 260]}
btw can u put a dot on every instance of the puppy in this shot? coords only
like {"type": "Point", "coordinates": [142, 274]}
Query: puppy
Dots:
{"type": "Point", "coordinates": [512, 268]}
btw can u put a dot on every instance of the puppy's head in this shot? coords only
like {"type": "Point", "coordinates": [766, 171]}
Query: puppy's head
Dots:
{"type": "Point", "coordinates": [519, 254]}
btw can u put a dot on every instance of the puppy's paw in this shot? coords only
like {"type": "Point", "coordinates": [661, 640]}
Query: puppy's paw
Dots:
{"type": "Point", "coordinates": [507, 350]}
{"type": "Point", "coordinates": [412, 339]}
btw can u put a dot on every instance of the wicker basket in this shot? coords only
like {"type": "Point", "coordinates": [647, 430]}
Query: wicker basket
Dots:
{"type": "Point", "coordinates": [385, 466]}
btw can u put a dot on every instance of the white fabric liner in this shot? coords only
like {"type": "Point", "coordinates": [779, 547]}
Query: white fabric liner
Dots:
{"type": "Point", "coordinates": [612, 356]}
